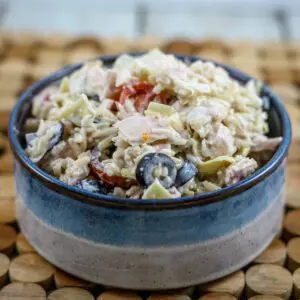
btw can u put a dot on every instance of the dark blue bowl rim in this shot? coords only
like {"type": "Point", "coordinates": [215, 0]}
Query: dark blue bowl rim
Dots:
{"type": "Point", "coordinates": [127, 203]}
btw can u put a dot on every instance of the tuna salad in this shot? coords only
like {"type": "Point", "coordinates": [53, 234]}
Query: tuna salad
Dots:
{"type": "Point", "coordinates": [150, 127]}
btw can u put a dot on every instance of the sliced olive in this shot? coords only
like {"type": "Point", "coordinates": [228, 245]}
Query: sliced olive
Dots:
{"type": "Point", "coordinates": [92, 186]}
{"type": "Point", "coordinates": [94, 97]}
{"type": "Point", "coordinates": [266, 103]}
{"type": "Point", "coordinates": [185, 173]}
{"type": "Point", "coordinates": [156, 165]}
{"type": "Point", "coordinates": [53, 141]}
{"type": "Point", "coordinates": [57, 136]}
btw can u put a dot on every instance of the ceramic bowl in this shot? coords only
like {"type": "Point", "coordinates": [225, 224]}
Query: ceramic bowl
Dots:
{"type": "Point", "coordinates": [149, 244]}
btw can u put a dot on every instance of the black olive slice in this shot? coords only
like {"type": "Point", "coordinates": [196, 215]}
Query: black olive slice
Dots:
{"type": "Point", "coordinates": [94, 97]}
{"type": "Point", "coordinates": [152, 166]}
{"type": "Point", "coordinates": [57, 136]}
{"type": "Point", "coordinates": [185, 173]}
{"type": "Point", "coordinates": [92, 186]}
{"type": "Point", "coordinates": [53, 141]}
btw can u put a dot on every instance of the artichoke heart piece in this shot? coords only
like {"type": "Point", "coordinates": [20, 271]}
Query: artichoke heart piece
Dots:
{"type": "Point", "coordinates": [156, 191]}
{"type": "Point", "coordinates": [211, 167]}
{"type": "Point", "coordinates": [155, 108]}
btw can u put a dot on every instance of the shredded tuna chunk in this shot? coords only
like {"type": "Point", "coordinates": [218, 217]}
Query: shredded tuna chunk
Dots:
{"type": "Point", "coordinates": [220, 142]}
{"type": "Point", "coordinates": [239, 170]}
{"type": "Point", "coordinates": [263, 143]}
{"type": "Point", "coordinates": [92, 80]}
{"type": "Point", "coordinates": [140, 129]}
{"type": "Point", "coordinates": [71, 171]}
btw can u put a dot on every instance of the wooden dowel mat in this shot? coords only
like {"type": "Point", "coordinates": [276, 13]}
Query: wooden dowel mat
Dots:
{"type": "Point", "coordinates": [24, 58]}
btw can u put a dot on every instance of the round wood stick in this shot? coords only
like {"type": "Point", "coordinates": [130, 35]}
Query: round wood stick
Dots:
{"type": "Point", "coordinates": [296, 280]}
{"type": "Point", "coordinates": [31, 267]}
{"type": "Point", "coordinates": [4, 265]}
{"type": "Point", "coordinates": [7, 185]}
{"type": "Point", "coordinates": [292, 224]}
{"type": "Point", "coordinates": [232, 284]}
{"type": "Point", "coordinates": [70, 293]}
{"type": "Point", "coordinates": [7, 210]}
{"type": "Point", "coordinates": [265, 297]}
{"type": "Point", "coordinates": [22, 291]}
{"type": "Point", "coordinates": [179, 46]}
{"type": "Point", "coordinates": [63, 279]}
{"type": "Point", "coordinates": [168, 297]}
{"type": "Point", "coordinates": [188, 291]}
{"type": "Point", "coordinates": [217, 296]}
{"type": "Point", "coordinates": [22, 244]}
{"type": "Point", "coordinates": [119, 295]}
{"type": "Point", "coordinates": [293, 251]}
{"type": "Point", "coordinates": [146, 43]}
{"type": "Point", "coordinates": [8, 238]}
{"type": "Point", "coordinates": [6, 160]}
{"type": "Point", "coordinates": [269, 279]}
{"type": "Point", "coordinates": [274, 254]}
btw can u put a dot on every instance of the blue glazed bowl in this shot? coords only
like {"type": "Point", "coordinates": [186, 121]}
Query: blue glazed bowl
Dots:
{"type": "Point", "coordinates": [149, 244]}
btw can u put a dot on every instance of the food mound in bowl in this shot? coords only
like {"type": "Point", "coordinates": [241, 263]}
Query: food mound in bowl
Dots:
{"type": "Point", "coordinates": [149, 127]}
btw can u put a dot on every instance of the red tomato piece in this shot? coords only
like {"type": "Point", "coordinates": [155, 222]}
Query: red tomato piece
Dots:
{"type": "Point", "coordinates": [125, 94]}
{"type": "Point", "coordinates": [142, 101]}
{"type": "Point", "coordinates": [142, 94]}
{"type": "Point", "coordinates": [111, 181]}
{"type": "Point", "coordinates": [142, 87]}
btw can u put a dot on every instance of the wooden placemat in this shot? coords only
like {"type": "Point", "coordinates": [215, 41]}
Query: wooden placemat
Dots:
{"type": "Point", "coordinates": [24, 58]}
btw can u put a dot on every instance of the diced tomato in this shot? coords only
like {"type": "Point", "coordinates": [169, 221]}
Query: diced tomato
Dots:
{"type": "Point", "coordinates": [142, 87]}
{"type": "Point", "coordinates": [111, 181]}
{"type": "Point", "coordinates": [115, 93]}
{"type": "Point", "coordinates": [142, 94]}
{"type": "Point", "coordinates": [114, 107]}
{"type": "Point", "coordinates": [125, 94]}
{"type": "Point", "coordinates": [163, 97]}
{"type": "Point", "coordinates": [142, 101]}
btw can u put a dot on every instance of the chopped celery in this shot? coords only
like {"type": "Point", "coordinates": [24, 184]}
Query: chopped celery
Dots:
{"type": "Point", "coordinates": [156, 191]}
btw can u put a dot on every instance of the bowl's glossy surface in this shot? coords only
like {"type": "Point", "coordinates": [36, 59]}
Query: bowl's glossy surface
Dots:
{"type": "Point", "coordinates": [149, 244]}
